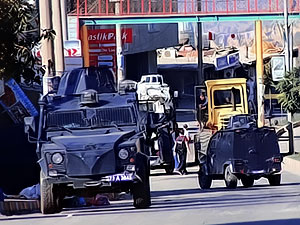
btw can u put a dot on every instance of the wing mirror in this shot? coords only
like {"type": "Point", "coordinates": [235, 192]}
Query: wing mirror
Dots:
{"type": "Point", "coordinates": [29, 124]}
{"type": "Point", "coordinates": [30, 128]}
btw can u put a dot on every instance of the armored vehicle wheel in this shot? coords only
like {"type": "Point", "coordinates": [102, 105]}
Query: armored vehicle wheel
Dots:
{"type": "Point", "coordinates": [141, 195]}
{"type": "Point", "coordinates": [141, 190]}
{"type": "Point", "coordinates": [275, 179]}
{"type": "Point", "coordinates": [230, 178]}
{"type": "Point", "coordinates": [247, 181]}
{"type": "Point", "coordinates": [50, 201]}
{"type": "Point", "coordinates": [204, 180]}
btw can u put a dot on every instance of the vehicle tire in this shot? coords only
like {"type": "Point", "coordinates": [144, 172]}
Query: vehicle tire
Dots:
{"type": "Point", "coordinates": [275, 179]}
{"type": "Point", "coordinates": [247, 181]}
{"type": "Point", "coordinates": [50, 201]}
{"type": "Point", "coordinates": [230, 178]}
{"type": "Point", "coordinates": [204, 180]}
{"type": "Point", "coordinates": [141, 195]}
{"type": "Point", "coordinates": [141, 189]}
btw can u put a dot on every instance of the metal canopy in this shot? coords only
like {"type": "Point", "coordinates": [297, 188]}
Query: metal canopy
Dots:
{"type": "Point", "coordinates": [218, 18]}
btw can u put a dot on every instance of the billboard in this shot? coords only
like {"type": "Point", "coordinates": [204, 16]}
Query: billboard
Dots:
{"type": "Point", "coordinates": [102, 46]}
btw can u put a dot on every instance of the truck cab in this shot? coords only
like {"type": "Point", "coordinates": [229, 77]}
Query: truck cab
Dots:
{"type": "Point", "coordinates": [226, 97]}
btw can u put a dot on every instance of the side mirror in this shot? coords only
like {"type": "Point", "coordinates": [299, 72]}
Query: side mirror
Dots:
{"type": "Point", "coordinates": [30, 129]}
{"type": "Point", "coordinates": [29, 124]}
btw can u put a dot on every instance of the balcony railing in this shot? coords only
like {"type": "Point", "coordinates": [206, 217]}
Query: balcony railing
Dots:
{"type": "Point", "coordinates": [177, 7]}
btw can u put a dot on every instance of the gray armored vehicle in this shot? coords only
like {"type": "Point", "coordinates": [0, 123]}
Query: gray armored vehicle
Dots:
{"type": "Point", "coordinates": [90, 139]}
{"type": "Point", "coordinates": [241, 151]}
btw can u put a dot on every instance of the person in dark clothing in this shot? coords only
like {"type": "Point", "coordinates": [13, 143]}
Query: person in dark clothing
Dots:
{"type": "Point", "coordinates": [202, 108]}
{"type": "Point", "coordinates": [181, 148]}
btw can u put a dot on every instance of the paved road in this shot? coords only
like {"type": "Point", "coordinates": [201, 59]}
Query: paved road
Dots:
{"type": "Point", "coordinates": [178, 200]}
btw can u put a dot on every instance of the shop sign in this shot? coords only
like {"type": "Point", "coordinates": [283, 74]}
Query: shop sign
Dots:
{"type": "Point", "coordinates": [109, 36]}
{"type": "Point", "coordinates": [278, 68]}
{"type": "Point", "coordinates": [226, 61]}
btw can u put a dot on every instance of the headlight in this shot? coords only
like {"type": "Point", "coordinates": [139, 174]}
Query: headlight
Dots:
{"type": "Point", "coordinates": [123, 154]}
{"type": "Point", "coordinates": [57, 158]}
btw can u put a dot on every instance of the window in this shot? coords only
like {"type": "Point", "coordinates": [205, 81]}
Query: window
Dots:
{"type": "Point", "coordinates": [159, 80]}
{"type": "Point", "coordinates": [154, 79]}
{"type": "Point", "coordinates": [227, 97]}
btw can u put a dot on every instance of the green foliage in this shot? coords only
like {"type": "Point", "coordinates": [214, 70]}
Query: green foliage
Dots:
{"type": "Point", "coordinates": [289, 89]}
{"type": "Point", "coordinates": [18, 37]}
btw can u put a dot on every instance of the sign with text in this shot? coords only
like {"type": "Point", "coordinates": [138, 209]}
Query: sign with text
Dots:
{"type": "Point", "coordinates": [102, 46]}
{"type": "Point", "coordinates": [227, 61]}
{"type": "Point", "coordinates": [72, 48]}
{"type": "Point", "coordinates": [278, 68]}
{"type": "Point", "coordinates": [109, 36]}
{"type": "Point", "coordinates": [16, 103]}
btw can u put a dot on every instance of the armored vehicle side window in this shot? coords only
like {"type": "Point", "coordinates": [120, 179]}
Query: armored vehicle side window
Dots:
{"type": "Point", "coordinates": [226, 97]}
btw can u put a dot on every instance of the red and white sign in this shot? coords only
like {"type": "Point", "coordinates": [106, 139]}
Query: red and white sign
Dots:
{"type": "Point", "coordinates": [72, 48]}
{"type": "Point", "coordinates": [102, 46]}
{"type": "Point", "coordinates": [109, 35]}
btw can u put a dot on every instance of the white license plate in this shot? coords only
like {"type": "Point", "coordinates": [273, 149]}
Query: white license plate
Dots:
{"type": "Point", "coordinates": [119, 177]}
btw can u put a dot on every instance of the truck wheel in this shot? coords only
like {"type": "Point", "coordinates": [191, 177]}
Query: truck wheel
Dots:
{"type": "Point", "coordinates": [247, 181]}
{"type": "Point", "coordinates": [204, 180]}
{"type": "Point", "coordinates": [274, 180]}
{"type": "Point", "coordinates": [50, 202]}
{"type": "Point", "coordinates": [230, 178]}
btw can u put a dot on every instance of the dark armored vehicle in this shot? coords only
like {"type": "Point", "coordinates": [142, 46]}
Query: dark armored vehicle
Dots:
{"type": "Point", "coordinates": [90, 139]}
{"type": "Point", "coordinates": [241, 151]}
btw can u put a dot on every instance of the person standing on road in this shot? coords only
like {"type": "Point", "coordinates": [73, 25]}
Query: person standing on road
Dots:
{"type": "Point", "coordinates": [186, 132]}
{"type": "Point", "coordinates": [181, 149]}
{"type": "Point", "coordinates": [174, 136]}
{"type": "Point", "coordinates": [202, 109]}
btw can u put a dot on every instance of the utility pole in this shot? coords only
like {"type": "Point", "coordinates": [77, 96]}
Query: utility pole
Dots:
{"type": "Point", "coordinates": [259, 74]}
{"type": "Point", "coordinates": [46, 45]}
{"type": "Point", "coordinates": [287, 37]}
{"type": "Point", "coordinates": [58, 40]}
{"type": "Point", "coordinates": [200, 77]}
{"type": "Point", "coordinates": [120, 57]}
{"type": "Point", "coordinates": [288, 68]}
{"type": "Point", "coordinates": [64, 19]}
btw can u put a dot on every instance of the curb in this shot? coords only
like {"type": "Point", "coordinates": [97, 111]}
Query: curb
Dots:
{"type": "Point", "coordinates": [291, 165]}
{"type": "Point", "coordinates": [16, 206]}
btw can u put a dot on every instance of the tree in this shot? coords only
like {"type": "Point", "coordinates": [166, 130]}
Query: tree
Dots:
{"type": "Point", "coordinates": [18, 37]}
{"type": "Point", "coordinates": [289, 89]}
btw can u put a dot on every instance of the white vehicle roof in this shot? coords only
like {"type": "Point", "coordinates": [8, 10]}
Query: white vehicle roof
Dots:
{"type": "Point", "coordinates": [152, 78]}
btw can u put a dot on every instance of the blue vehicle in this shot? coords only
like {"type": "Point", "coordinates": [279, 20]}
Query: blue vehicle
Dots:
{"type": "Point", "coordinates": [90, 139]}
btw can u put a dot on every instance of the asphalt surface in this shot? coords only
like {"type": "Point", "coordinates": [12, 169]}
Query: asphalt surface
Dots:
{"type": "Point", "coordinates": [178, 200]}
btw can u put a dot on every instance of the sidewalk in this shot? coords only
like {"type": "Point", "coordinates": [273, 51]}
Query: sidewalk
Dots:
{"type": "Point", "coordinates": [291, 165]}
{"type": "Point", "coordinates": [19, 206]}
